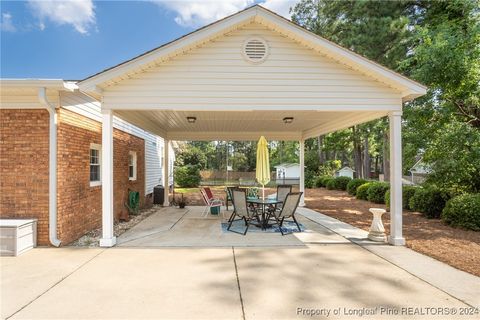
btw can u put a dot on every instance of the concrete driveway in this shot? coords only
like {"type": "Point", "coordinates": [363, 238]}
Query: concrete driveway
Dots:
{"type": "Point", "coordinates": [275, 282]}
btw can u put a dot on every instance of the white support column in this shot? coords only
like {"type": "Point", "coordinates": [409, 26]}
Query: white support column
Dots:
{"type": "Point", "coordinates": [302, 172]}
{"type": "Point", "coordinates": [108, 239]}
{"type": "Point", "coordinates": [396, 210]}
{"type": "Point", "coordinates": [166, 165]}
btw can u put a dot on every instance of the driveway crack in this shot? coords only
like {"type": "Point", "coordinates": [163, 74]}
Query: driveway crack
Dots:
{"type": "Point", "coordinates": [238, 283]}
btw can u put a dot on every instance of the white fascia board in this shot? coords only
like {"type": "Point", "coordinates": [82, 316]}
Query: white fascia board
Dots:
{"type": "Point", "coordinates": [337, 52]}
{"type": "Point", "coordinates": [179, 45]}
{"type": "Point", "coordinates": [237, 136]}
{"type": "Point", "coordinates": [55, 84]}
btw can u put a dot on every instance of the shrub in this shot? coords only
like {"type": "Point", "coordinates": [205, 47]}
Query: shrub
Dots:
{"type": "Point", "coordinates": [329, 167]}
{"type": "Point", "coordinates": [362, 190]}
{"type": "Point", "coordinates": [407, 194]}
{"type": "Point", "coordinates": [320, 181]}
{"type": "Point", "coordinates": [187, 176]}
{"type": "Point", "coordinates": [463, 211]}
{"type": "Point", "coordinates": [429, 201]}
{"type": "Point", "coordinates": [376, 192]}
{"type": "Point", "coordinates": [342, 182]}
{"type": "Point", "coordinates": [330, 183]}
{"type": "Point", "coordinates": [354, 184]}
{"type": "Point", "coordinates": [309, 179]}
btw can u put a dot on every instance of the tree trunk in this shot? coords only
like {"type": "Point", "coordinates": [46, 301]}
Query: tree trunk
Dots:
{"type": "Point", "coordinates": [357, 152]}
{"type": "Point", "coordinates": [344, 159]}
{"type": "Point", "coordinates": [321, 154]}
{"type": "Point", "coordinates": [386, 155]}
{"type": "Point", "coordinates": [366, 159]}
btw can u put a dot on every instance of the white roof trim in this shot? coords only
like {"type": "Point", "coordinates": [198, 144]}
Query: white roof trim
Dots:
{"type": "Point", "coordinates": [409, 89]}
{"type": "Point", "coordinates": [55, 84]}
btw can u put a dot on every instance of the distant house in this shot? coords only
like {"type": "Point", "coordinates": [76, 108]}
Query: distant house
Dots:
{"type": "Point", "coordinates": [419, 171]}
{"type": "Point", "coordinates": [287, 173]}
{"type": "Point", "coordinates": [345, 172]}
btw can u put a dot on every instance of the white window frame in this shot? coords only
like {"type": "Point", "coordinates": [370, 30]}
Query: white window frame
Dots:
{"type": "Point", "coordinates": [97, 147]}
{"type": "Point", "coordinates": [132, 154]}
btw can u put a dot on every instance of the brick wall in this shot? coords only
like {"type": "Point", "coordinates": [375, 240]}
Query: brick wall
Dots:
{"type": "Point", "coordinates": [24, 171]}
{"type": "Point", "coordinates": [24, 167]}
{"type": "Point", "coordinates": [79, 204]}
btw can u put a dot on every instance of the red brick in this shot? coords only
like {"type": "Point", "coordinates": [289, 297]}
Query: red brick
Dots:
{"type": "Point", "coordinates": [24, 171]}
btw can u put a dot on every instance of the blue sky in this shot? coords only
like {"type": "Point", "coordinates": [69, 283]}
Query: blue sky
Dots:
{"type": "Point", "coordinates": [74, 39]}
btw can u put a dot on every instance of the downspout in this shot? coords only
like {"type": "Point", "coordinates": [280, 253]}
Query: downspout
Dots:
{"type": "Point", "coordinates": [52, 168]}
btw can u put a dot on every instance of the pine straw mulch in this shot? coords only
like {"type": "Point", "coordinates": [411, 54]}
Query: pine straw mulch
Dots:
{"type": "Point", "coordinates": [456, 247]}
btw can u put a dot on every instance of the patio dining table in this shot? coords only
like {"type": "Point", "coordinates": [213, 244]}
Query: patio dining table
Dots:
{"type": "Point", "coordinates": [263, 203]}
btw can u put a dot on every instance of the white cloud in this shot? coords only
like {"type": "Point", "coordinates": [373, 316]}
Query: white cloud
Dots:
{"type": "Point", "coordinates": [78, 13]}
{"type": "Point", "coordinates": [7, 24]}
{"type": "Point", "coordinates": [197, 12]}
{"type": "Point", "coordinates": [281, 7]}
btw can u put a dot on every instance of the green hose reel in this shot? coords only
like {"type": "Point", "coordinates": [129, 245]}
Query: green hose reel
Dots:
{"type": "Point", "coordinates": [133, 203]}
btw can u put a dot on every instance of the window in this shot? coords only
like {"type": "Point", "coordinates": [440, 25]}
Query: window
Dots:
{"type": "Point", "coordinates": [132, 165]}
{"type": "Point", "coordinates": [95, 162]}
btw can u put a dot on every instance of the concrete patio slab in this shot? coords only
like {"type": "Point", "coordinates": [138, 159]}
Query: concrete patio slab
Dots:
{"type": "Point", "coordinates": [145, 283]}
{"type": "Point", "coordinates": [276, 282]}
{"type": "Point", "coordinates": [460, 284]}
{"type": "Point", "coordinates": [219, 275]}
{"type": "Point", "coordinates": [29, 275]}
{"type": "Point", "coordinates": [171, 227]}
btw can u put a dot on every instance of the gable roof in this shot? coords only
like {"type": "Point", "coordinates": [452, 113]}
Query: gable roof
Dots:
{"type": "Point", "coordinates": [408, 88]}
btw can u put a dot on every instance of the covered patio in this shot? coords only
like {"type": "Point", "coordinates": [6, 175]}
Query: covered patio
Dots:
{"type": "Point", "coordinates": [173, 227]}
{"type": "Point", "coordinates": [253, 73]}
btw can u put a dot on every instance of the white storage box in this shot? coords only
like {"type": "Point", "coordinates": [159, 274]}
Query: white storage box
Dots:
{"type": "Point", "coordinates": [17, 236]}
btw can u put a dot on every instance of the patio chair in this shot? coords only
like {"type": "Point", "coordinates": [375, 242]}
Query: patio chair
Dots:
{"type": "Point", "coordinates": [242, 210]}
{"type": "Point", "coordinates": [210, 201]}
{"type": "Point", "coordinates": [282, 192]}
{"type": "Point", "coordinates": [289, 207]}
{"type": "Point", "coordinates": [229, 195]}
{"type": "Point", "coordinates": [252, 192]}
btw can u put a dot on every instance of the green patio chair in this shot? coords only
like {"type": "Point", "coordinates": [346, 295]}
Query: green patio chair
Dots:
{"type": "Point", "coordinates": [252, 193]}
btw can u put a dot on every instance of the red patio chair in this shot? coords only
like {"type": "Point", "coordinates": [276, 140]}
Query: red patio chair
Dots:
{"type": "Point", "coordinates": [209, 200]}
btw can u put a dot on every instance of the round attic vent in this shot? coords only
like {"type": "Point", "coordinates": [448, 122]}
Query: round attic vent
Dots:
{"type": "Point", "coordinates": [255, 50]}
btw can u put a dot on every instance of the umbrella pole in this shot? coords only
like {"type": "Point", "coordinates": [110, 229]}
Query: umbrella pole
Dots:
{"type": "Point", "coordinates": [263, 192]}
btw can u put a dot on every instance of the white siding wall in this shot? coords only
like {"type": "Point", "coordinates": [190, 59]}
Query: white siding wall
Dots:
{"type": "Point", "coordinates": [153, 162]}
{"type": "Point", "coordinates": [88, 107]}
{"type": "Point", "coordinates": [217, 75]}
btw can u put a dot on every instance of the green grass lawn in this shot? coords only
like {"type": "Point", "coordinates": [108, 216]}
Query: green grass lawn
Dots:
{"type": "Point", "coordinates": [194, 190]}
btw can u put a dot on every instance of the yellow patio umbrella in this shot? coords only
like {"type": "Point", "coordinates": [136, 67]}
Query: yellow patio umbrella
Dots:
{"type": "Point", "coordinates": [263, 164]}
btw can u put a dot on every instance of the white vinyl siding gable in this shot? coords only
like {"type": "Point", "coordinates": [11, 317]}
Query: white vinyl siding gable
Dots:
{"type": "Point", "coordinates": [217, 75]}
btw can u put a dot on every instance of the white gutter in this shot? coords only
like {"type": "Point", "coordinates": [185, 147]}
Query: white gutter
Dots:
{"type": "Point", "coordinates": [52, 168]}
